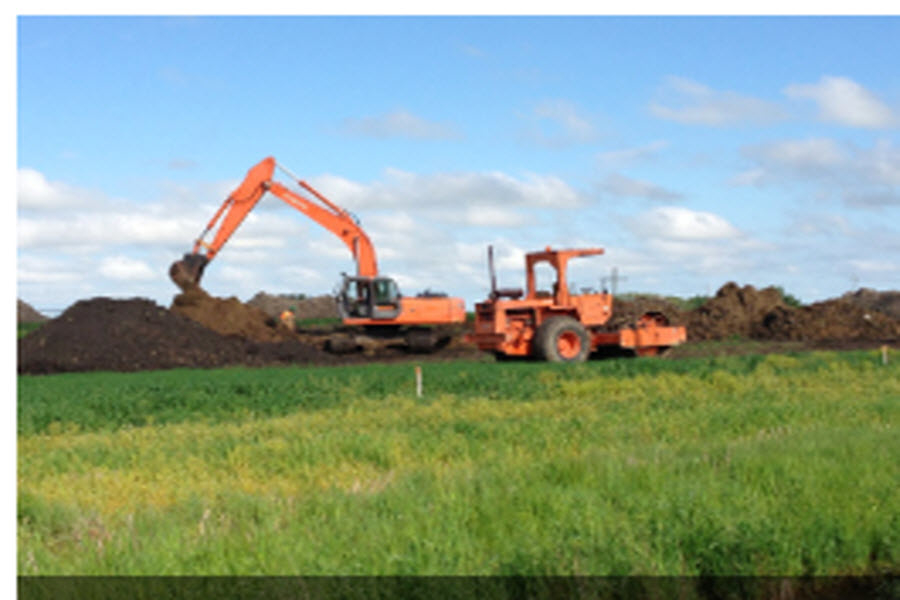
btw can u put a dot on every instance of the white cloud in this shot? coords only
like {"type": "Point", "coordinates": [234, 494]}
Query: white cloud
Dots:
{"type": "Point", "coordinates": [843, 101]}
{"type": "Point", "coordinates": [306, 275]}
{"type": "Point", "coordinates": [247, 278]}
{"type": "Point", "coordinates": [400, 124]}
{"type": "Point", "coordinates": [492, 216]}
{"type": "Point", "coordinates": [692, 243]}
{"type": "Point", "coordinates": [472, 51]}
{"type": "Point", "coordinates": [35, 191]}
{"type": "Point", "coordinates": [862, 177]}
{"type": "Point", "coordinates": [126, 269]}
{"type": "Point", "coordinates": [249, 243]}
{"type": "Point", "coordinates": [492, 189]}
{"type": "Point", "coordinates": [865, 265]}
{"type": "Point", "coordinates": [627, 156]}
{"type": "Point", "coordinates": [339, 190]}
{"type": "Point", "coordinates": [558, 123]}
{"type": "Point", "coordinates": [820, 224]}
{"type": "Point", "coordinates": [100, 227]}
{"type": "Point", "coordinates": [750, 177]}
{"type": "Point", "coordinates": [678, 224]}
{"type": "Point", "coordinates": [621, 186]}
{"type": "Point", "coordinates": [873, 198]}
{"type": "Point", "coordinates": [883, 163]}
{"type": "Point", "coordinates": [41, 270]}
{"type": "Point", "coordinates": [693, 103]}
{"type": "Point", "coordinates": [809, 155]}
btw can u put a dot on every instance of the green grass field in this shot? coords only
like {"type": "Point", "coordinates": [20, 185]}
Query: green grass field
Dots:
{"type": "Point", "coordinates": [753, 465]}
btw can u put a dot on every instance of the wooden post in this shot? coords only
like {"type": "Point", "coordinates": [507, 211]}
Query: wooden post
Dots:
{"type": "Point", "coordinates": [884, 354]}
{"type": "Point", "coordinates": [418, 381]}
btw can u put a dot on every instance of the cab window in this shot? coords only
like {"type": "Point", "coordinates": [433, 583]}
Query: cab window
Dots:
{"type": "Point", "coordinates": [385, 291]}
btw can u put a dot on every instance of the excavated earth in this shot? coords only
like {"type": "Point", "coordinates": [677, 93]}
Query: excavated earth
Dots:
{"type": "Point", "coordinates": [200, 330]}
{"type": "Point", "coordinates": [319, 307]}
{"type": "Point", "coordinates": [135, 335]}
{"type": "Point", "coordinates": [25, 313]}
{"type": "Point", "coordinates": [763, 315]}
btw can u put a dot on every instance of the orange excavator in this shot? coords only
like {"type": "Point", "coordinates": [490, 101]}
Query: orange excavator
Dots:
{"type": "Point", "coordinates": [365, 299]}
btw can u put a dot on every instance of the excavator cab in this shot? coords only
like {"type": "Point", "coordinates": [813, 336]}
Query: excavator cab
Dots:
{"type": "Point", "coordinates": [368, 298]}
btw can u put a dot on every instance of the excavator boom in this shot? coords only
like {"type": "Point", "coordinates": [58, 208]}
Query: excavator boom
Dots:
{"type": "Point", "coordinates": [187, 272]}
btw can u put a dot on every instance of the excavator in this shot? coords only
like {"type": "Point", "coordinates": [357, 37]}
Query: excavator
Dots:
{"type": "Point", "coordinates": [366, 299]}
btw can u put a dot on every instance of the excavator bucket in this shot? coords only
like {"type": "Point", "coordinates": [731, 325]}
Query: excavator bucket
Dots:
{"type": "Point", "coordinates": [186, 273]}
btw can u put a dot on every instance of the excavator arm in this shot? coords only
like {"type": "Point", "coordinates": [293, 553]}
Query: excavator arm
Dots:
{"type": "Point", "coordinates": [187, 272]}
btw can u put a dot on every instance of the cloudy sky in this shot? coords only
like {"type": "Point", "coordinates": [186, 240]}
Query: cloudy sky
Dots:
{"type": "Point", "coordinates": [696, 151]}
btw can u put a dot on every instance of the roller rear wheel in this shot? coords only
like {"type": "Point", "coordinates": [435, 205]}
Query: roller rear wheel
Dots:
{"type": "Point", "coordinates": [562, 339]}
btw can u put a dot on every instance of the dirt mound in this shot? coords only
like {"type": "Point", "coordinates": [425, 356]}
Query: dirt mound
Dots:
{"type": "Point", "coordinates": [826, 321]}
{"type": "Point", "coordinates": [203, 331]}
{"type": "Point", "coordinates": [319, 307]}
{"type": "Point", "coordinates": [734, 311]}
{"type": "Point", "coordinates": [135, 335]}
{"type": "Point", "coordinates": [887, 303]}
{"type": "Point", "coordinates": [763, 315]}
{"type": "Point", "coordinates": [627, 312]}
{"type": "Point", "coordinates": [25, 313]}
{"type": "Point", "coordinates": [230, 316]}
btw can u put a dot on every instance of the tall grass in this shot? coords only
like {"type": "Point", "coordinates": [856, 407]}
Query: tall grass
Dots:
{"type": "Point", "coordinates": [757, 465]}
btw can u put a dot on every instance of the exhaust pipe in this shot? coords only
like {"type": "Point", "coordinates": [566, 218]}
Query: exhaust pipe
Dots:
{"type": "Point", "coordinates": [492, 272]}
{"type": "Point", "coordinates": [497, 293]}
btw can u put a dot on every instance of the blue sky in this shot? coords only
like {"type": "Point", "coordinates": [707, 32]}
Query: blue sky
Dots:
{"type": "Point", "coordinates": [696, 150]}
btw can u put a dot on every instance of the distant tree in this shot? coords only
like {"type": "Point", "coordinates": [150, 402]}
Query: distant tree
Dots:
{"type": "Point", "coordinates": [788, 299]}
{"type": "Point", "coordinates": [694, 302]}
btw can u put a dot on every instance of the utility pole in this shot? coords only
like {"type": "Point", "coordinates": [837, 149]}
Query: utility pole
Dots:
{"type": "Point", "coordinates": [613, 279]}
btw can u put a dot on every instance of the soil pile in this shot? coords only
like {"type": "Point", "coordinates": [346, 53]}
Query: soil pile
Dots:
{"type": "Point", "coordinates": [887, 303]}
{"type": "Point", "coordinates": [734, 311]}
{"type": "Point", "coordinates": [135, 335]}
{"type": "Point", "coordinates": [763, 315]}
{"type": "Point", "coordinates": [204, 331]}
{"type": "Point", "coordinates": [230, 316]}
{"type": "Point", "coordinates": [627, 312]}
{"type": "Point", "coordinates": [319, 307]}
{"type": "Point", "coordinates": [25, 313]}
{"type": "Point", "coordinates": [832, 320]}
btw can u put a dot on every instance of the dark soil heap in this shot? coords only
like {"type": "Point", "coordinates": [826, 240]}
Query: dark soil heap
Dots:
{"type": "Point", "coordinates": [203, 331]}
{"type": "Point", "coordinates": [25, 313]}
{"type": "Point", "coordinates": [746, 312]}
{"type": "Point", "coordinates": [734, 311]}
{"type": "Point", "coordinates": [627, 312]}
{"type": "Point", "coordinates": [887, 303]}
{"type": "Point", "coordinates": [832, 320]}
{"type": "Point", "coordinates": [135, 335]}
{"type": "Point", "coordinates": [763, 315]}
{"type": "Point", "coordinates": [319, 307]}
{"type": "Point", "coordinates": [230, 316]}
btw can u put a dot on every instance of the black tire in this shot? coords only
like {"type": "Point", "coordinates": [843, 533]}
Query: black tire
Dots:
{"type": "Point", "coordinates": [562, 339]}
